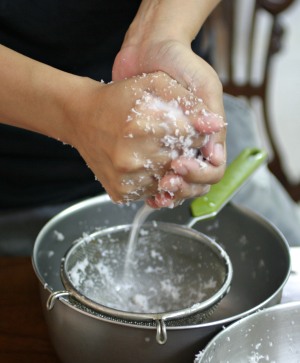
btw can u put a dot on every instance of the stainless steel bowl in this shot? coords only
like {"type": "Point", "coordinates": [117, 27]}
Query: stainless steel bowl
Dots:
{"type": "Point", "coordinates": [257, 250]}
{"type": "Point", "coordinates": [270, 335]}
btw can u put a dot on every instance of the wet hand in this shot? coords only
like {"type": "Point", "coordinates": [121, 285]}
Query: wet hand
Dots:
{"type": "Point", "coordinates": [136, 130]}
{"type": "Point", "coordinates": [188, 176]}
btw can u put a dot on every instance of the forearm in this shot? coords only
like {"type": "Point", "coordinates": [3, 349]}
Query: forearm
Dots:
{"type": "Point", "coordinates": [35, 96]}
{"type": "Point", "coordinates": [169, 19]}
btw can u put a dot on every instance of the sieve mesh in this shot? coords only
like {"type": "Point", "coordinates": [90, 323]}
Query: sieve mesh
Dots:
{"type": "Point", "coordinates": [177, 274]}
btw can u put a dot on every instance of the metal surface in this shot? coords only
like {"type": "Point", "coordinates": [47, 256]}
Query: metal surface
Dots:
{"type": "Point", "coordinates": [270, 335]}
{"type": "Point", "coordinates": [178, 274]}
{"type": "Point", "coordinates": [261, 265]}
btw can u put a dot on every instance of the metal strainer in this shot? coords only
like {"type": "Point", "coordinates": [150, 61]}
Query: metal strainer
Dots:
{"type": "Point", "coordinates": [177, 274]}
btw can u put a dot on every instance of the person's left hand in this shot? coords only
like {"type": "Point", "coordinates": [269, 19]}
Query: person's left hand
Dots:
{"type": "Point", "coordinates": [181, 63]}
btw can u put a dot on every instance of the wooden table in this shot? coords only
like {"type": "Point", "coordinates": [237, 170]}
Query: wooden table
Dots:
{"type": "Point", "coordinates": [23, 331]}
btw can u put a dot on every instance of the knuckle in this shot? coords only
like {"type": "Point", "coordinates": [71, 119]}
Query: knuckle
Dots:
{"type": "Point", "coordinates": [125, 164]}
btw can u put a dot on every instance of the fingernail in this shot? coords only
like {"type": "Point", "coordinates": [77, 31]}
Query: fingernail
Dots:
{"type": "Point", "coordinates": [219, 153]}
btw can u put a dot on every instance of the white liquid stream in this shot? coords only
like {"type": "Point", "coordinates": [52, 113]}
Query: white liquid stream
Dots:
{"type": "Point", "coordinates": [139, 219]}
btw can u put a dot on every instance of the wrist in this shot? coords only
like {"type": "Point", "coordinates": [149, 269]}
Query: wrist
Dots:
{"type": "Point", "coordinates": [151, 28]}
{"type": "Point", "coordinates": [168, 20]}
{"type": "Point", "coordinates": [77, 104]}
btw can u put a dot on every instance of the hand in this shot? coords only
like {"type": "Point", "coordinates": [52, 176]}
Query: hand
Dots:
{"type": "Point", "coordinates": [130, 133]}
{"type": "Point", "coordinates": [188, 175]}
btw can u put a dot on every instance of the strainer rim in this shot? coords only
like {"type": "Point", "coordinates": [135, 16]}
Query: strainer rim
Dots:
{"type": "Point", "coordinates": [199, 308]}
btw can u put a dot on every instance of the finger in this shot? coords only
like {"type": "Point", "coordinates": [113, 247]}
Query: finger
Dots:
{"type": "Point", "coordinates": [201, 117]}
{"type": "Point", "coordinates": [158, 117]}
{"type": "Point", "coordinates": [214, 150]}
{"type": "Point", "coordinates": [198, 170]}
{"type": "Point", "coordinates": [167, 122]}
{"type": "Point", "coordinates": [193, 107]}
{"type": "Point", "coordinates": [181, 192]}
{"type": "Point", "coordinates": [142, 182]}
{"type": "Point", "coordinates": [189, 190]}
{"type": "Point", "coordinates": [176, 186]}
{"type": "Point", "coordinates": [161, 200]}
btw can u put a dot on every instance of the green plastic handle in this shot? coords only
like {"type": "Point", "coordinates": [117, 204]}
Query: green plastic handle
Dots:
{"type": "Point", "coordinates": [235, 175]}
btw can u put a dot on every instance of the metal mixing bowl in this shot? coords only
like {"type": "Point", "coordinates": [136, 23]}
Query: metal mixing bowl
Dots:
{"type": "Point", "coordinates": [257, 250]}
{"type": "Point", "coordinates": [270, 335]}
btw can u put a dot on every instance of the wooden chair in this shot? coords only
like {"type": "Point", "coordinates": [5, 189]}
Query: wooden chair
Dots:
{"type": "Point", "coordinates": [243, 60]}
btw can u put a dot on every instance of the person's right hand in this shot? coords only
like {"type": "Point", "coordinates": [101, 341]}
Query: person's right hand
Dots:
{"type": "Point", "coordinates": [130, 131]}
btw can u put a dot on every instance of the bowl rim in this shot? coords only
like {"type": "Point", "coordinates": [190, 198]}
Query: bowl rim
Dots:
{"type": "Point", "coordinates": [94, 201]}
{"type": "Point", "coordinates": [198, 307]}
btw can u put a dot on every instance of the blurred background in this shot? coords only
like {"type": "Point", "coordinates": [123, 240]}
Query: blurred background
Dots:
{"type": "Point", "coordinates": [258, 58]}
{"type": "Point", "coordinates": [284, 93]}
